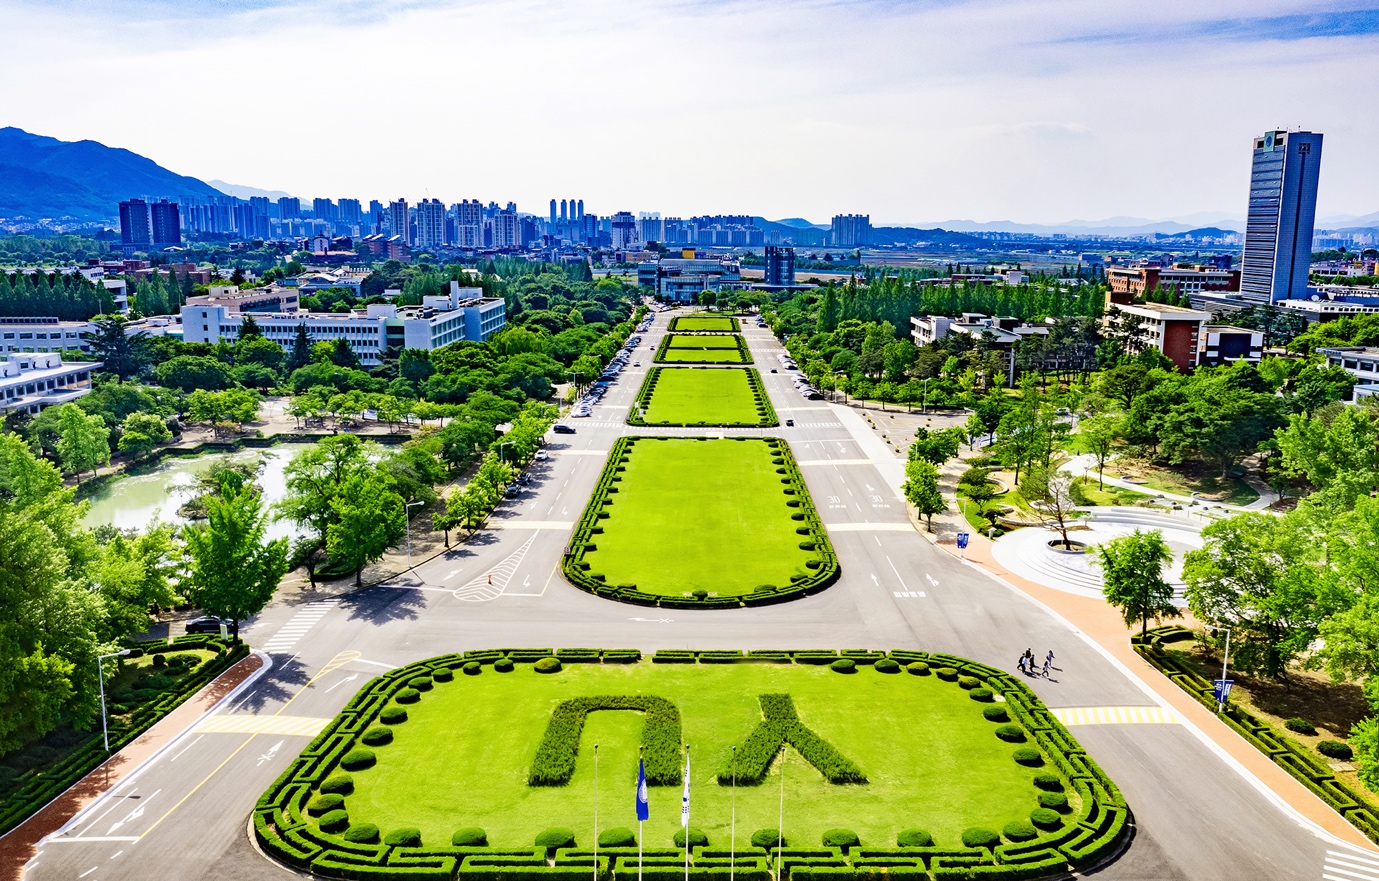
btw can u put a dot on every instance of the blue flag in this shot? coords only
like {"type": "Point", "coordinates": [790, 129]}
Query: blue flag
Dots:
{"type": "Point", "coordinates": [643, 809]}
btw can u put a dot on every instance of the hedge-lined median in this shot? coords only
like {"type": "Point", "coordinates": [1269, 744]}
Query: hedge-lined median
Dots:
{"type": "Point", "coordinates": [681, 348]}
{"type": "Point", "coordinates": [704, 324]}
{"type": "Point", "coordinates": [703, 397]}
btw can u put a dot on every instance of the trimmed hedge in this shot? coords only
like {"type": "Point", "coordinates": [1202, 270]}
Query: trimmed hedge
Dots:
{"type": "Point", "coordinates": [1011, 733]}
{"type": "Point", "coordinates": [917, 668]}
{"type": "Point", "coordinates": [393, 716]}
{"type": "Point", "coordinates": [618, 836]}
{"type": "Point", "coordinates": [1020, 830]}
{"type": "Point", "coordinates": [358, 758]}
{"type": "Point", "coordinates": [697, 838]}
{"type": "Point", "coordinates": [377, 736]}
{"type": "Point", "coordinates": [364, 833]}
{"type": "Point", "coordinates": [547, 665]}
{"type": "Point", "coordinates": [843, 838]}
{"type": "Point", "coordinates": [335, 821]}
{"type": "Point", "coordinates": [995, 713]}
{"type": "Point", "coordinates": [843, 665]}
{"type": "Point", "coordinates": [407, 836]}
{"type": "Point", "coordinates": [339, 783]}
{"type": "Point", "coordinates": [324, 804]}
{"type": "Point", "coordinates": [781, 725]}
{"type": "Point", "coordinates": [556, 837]}
{"type": "Point", "coordinates": [976, 836]}
{"type": "Point", "coordinates": [1028, 756]}
{"type": "Point", "coordinates": [822, 571]}
{"type": "Point", "coordinates": [769, 838]}
{"type": "Point", "coordinates": [1334, 749]}
{"type": "Point", "coordinates": [554, 763]}
{"type": "Point", "coordinates": [914, 838]}
{"type": "Point", "coordinates": [469, 836]}
{"type": "Point", "coordinates": [766, 413]}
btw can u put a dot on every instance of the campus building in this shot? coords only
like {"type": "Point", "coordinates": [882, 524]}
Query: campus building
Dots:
{"type": "Point", "coordinates": [779, 264]}
{"type": "Point", "coordinates": [1173, 330]}
{"type": "Point", "coordinates": [19, 335]}
{"type": "Point", "coordinates": [1361, 362]}
{"type": "Point", "coordinates": [33, 382]}
{"type": "Point", "coordinates": [682, 279]}
{"type": "Point", "coordinates": [1220, 344]}
{"type": "Point", "coordinates": [1282, 209]}
{"type": "Point", "coordinates": [1129, 282]}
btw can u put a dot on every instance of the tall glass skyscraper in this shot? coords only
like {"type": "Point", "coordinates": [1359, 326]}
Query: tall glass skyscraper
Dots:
{"type": "Point", "coordinates": [1283, 208]}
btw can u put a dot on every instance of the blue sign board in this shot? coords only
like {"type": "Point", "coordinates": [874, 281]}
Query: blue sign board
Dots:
{"type": "Point", "coordinates": [962, 539]}
{"type": "Point", "coordinates": [1221, 689]}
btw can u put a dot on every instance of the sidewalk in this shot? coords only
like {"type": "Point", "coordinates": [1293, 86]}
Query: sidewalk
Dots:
{"type": "Point", "coordinates": [1103, 625]}
{"type": "Point", "coordinates": [20, 844]}
{"type": "Point", "coordinates": [1085, 464]}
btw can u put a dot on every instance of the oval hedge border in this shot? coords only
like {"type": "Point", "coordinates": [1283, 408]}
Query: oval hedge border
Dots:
{"type": "Point", "coordinates": [1095, 833]}
{"type": "Point", "coordinates": [807, 525]}
{"type": "Point", "coordinates": [766, 413]}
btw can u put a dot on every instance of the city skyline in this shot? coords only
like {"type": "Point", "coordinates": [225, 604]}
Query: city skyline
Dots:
{"type": "Point", "coordinates": [901, 111]}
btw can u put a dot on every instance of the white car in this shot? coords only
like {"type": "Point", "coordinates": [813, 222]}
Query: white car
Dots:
{"type": "Point", "coordinates": [542, 455]}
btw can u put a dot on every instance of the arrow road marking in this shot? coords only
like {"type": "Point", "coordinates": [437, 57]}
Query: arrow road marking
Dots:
{"type": "Point", "coordinates": [342, 682]}
{"type": "Point", "coordinates": [273, 751]}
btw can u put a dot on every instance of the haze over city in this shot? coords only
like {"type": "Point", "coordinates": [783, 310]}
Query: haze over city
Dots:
{"type": "Point", "coordinates": [917, 113]}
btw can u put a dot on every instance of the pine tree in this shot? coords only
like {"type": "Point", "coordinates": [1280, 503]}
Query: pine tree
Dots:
{"type": "Point", "coordinates": [300, 356]}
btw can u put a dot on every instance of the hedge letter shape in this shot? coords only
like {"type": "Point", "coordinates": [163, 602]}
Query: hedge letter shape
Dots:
{"type": "Point", "coordinates": [782, 725]}
{"type": "Point", "coordinates": [554, 764]}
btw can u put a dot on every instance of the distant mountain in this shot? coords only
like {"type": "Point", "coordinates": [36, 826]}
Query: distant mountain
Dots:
{"type": "Point", "coordinates": [1111, 226]}
{"type": "Point", "coordinates": [1348, 221]}
{"type": "Point", "coordinates": [885, 235]}
{"type": "Point", "coordinates": [795, 222]}
{"type": "Point", "coordinates": [244, 192]}
{"type": "Point", "coordinates": [45, 177]}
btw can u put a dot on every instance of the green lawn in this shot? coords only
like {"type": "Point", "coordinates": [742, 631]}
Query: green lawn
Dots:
{"type": "Point", "coordinates": [697, 514]}
{"type": "Point", "coordinates": [680, 348]}
{"type": "Point", "coordinates": [705, 396]}
{"type": "Point", "coordinates": [705, 323]}
{"type": "Point", "coordinates": [930, 758]}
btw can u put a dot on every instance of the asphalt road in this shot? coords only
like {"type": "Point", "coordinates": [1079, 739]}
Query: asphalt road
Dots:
{"type": "Point", "coordinates": [184, 815]}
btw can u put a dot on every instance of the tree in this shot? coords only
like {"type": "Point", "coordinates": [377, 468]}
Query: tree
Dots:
{"type": "Point", "coordinates": [342, 355]}
{"type": "Point", "coordinates": [936, 447]}
{"type": "Point", "coordinates": [1097, 436]}
{"type": "Point", "coordinates": [248, 327]}
{"type": "Point", "coordinates": [232, 570]}
{"type": "Point", "coordinates": [133, 574]}
{"type": "Point", "coordinates": [141, 432]}
{"type": "Point", "coordinates": [124, 354]}
{"type": "Point", "coordinates": [315, 477]}
{"type": "Point", "coordinates": [921, 489]}
{"type": "Point", "coordinates": [300, 356]}
{"type": "Point", "coordinates": [369, 519]}
{"type": "Point", "coordinates": [1132, 569]}
{"type": "Point", "coordinates": [83, 441]}
{"type": "Point", "coordinates": [1050, 496]}
{"type": "Point", "coordinates": [192, 372]}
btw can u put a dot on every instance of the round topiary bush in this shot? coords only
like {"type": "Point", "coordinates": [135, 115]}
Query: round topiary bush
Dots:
{"type": "Point", "coordinates": [918, 668]}
{"type": "Point", "coordinates": [700, 594]}
{"type": "Point", "coordinates": [1027, 755]}
{"type": "Point", "coordinates": [555, 836]}
{"type": "Point", "coordinates": [1301, 726]}
{"type": "Point", "coordinates": [618, 836]}
{"type": "Point", "coordinates": [947, 674]}
{"type": "Point", "coordinates": [470, 836]}
{"type": "Point", "coordinates": [1334, 749]}
{"type": "Point", "coordinates": [1048, 782]}
{"type": "Point", "coordinates": [1019, 830]}
{"type": "Point", "coordinates": [1045, 818]}
{"type": "Point", "coordinates": [547, 665]}
{"type": "Point", "coordinates": [697, 838]}
{"type": "Point", "coordinates": [407, 836]}
{"type": "Point", "coordinates": [1011, 733]}
{"type": "Point", "coordinates": [968, 682]}
{"type": "Point", "coordinates": [1054, 801]}
{"type": "Point", "coordinates": [420, 683]}
{"type": "Point", "coordinates": [769, 838]}
{"type": "Point", "coordinates": [392, 716]}
{"type": "Point", "coordinates": [377, 736]}
{"type": "Point", "coordinates": [442, 674]}
{"type": "Point", "coordinates": [979, 837]}
{"type": "Point", "coordinates": [136, 653]}
{"type": "Point", "coordinates": [159, 660]}
{"type": "Point", "coordinates": [503, 665]}
{"type": "Point", "coordinates": [841, 837]}
{"type": "Point", "coordinates": [886, 665]}
{"type": "Point", "coordinates": [407, 696]}
{"type": "Point", "coordinates": [335, 821]}
{"type": "Point", "coordinates": [324, 803]}
{"type": "Point", "coordinates": [472, 668]}
{"type": "Point", "coordinates": [914, 838]}
{"type": "Point", "coordinates": [985, 695]}
{"type": "Point", "coordinates": [357, 758]}
{"type": "Point", "coordinates": [339, 783]}
{"type": "Point", "coordinates": [364, 833]}
{"type": "Point", "coordinates": [843, 665]}
{"type": "Point", "coordinates": [995, 713]}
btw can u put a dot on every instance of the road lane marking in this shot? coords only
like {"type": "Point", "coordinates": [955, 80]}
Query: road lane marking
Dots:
{"type": "Point", "coordinates": [909, 593]}
{"type": "Point", "coordinates": [812, 462]}
{"type": "Point", "coordinates": [301, 623]}
{"type": "Point", "coordinates": [533, 524]}
{"type": "Point", "coordinates": [1348, 867]}
{"type": "Point", "coordinates": [183, 750]}
{"type": "Point", "coordinates": [301, 726]}
{"type": "Point", "coordinates": [868, 527]}
{"type": "Point", "coordinates": [490, 585]}
{"type": "Point", "coordinates": [1114, 715]}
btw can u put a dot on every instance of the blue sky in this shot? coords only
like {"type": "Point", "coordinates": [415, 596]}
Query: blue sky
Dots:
{"type": "Point", "coordinates": [1035, 111]}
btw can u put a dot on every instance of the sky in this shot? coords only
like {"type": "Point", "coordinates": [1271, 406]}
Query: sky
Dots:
{"type": "Point", "coordinates": [912, 111]}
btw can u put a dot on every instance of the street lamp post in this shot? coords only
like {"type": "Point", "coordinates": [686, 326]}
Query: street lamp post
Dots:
{"type": "Point", "coordinates": [1225, 659]}
{"type": "Point", "coordinates": [924, 406]}
{"type": "Point", "coordinates": [500, 450]}
{"type": "Point", "coordinates": [100, 675]}
{"type": "Point", "coordinates": [407, 522]}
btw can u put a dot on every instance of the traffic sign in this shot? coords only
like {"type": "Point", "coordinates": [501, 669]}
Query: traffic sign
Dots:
{"type": "Point", "coordinates": [962, 539]}
{"type": "Point", "coordinates": [1221, 689]}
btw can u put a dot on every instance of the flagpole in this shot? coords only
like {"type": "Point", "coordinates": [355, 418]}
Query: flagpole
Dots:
{"type": "Point", "coordinates": [639, 819]}
{"type": "Point", "coordinates": [732, 834]}
{"type": "Point", "coordinates": [596, 812]}
{"type": "Point", "coordinates": [780, 824]}
{"type": "Point", "coordinates": [684, 820]}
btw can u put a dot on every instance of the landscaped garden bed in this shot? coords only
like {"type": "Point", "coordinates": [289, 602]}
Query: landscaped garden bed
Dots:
{"type": "Point", "coordinates": [482, 766]}
{"type": "Point", "coordinates": [680, 348]}
{"type": "Point", "coordinates": [704, 324]}
{"type": "Point", "coordinates": [699, 522]}
{"type": "Point", "coordinates": [703, 396]}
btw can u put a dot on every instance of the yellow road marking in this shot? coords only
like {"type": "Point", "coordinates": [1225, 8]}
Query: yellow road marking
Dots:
{"type": "Point", "coordinates": [1113, 715]}
{"type": "Point", "coordinates": [301, 726]}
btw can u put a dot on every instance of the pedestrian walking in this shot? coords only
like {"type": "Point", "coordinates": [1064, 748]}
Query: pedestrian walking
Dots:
{"type": "Point", "coordinates": [1020, 664]}
{"type": "Point", "coordinates": [1049, 659]}
{"type": "Point", "coordinates": [1045, 674]}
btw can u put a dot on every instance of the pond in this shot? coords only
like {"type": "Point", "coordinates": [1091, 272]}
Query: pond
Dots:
{"type": "Point", "coordinates": [137, 500]}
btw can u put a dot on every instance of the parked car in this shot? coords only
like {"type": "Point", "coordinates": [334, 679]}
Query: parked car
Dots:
{"type": "Point", "coordinates": [773, 370]}
{"type": "Point", "coordinates": [636, 364]}
{"type": "Point", "coordinates": [209, 624]}
{"type": "Point", "coordinates": [562, 428]}
{"type": "Point", "coordinates": [542, 455]}
{"type": "Point", "coordinates": [513, 491]}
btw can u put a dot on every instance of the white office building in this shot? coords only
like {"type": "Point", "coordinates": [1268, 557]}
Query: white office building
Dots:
{"type": "Point", "coordinates": [30, 383]}
{"type": "Point", "coordinates": [27, 335]}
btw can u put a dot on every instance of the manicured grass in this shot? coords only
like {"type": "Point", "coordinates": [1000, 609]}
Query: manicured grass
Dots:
{"type": "Point", "coordinates": [704, 396]}
{"type": "Point", "coordinates": [462, 758]}
{"type": "Point", "coordinates": [1108, 495]}
{"type": "Point", "coordinates": [698, 514]}
{"type": "Point", "coordinates": [703, 349]}
{"type": "Point", "coordinates": [1232, 491]}
{"type": "Point", "coordinates": [705, 323]}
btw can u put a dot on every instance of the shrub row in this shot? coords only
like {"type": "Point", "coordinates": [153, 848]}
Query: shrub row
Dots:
{"type": "Point", "coordinates": [781, 725]}
{"type": "Point", "coordinates": [554, 763]}
{"type": "Point", "coordinates": [744, 355]}
{"type": "Point", "coordinates": [766, 412]}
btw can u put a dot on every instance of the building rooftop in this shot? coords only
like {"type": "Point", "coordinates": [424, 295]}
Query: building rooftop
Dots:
{"type": "Point", "coordinates": [1163, 312]}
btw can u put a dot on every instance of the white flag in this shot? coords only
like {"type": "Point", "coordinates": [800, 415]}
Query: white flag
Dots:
{"type": "Point", "coordinates": [684, 800]}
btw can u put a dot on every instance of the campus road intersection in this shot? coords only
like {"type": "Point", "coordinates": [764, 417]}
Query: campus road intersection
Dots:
{"type": "Point", "coordinates": [184, 815]}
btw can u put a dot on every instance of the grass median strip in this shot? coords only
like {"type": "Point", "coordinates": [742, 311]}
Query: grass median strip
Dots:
{"type": "Point", "coordinates": [704, 324]}
{"type": "Point", "coordinates": [679, 348]}
{"type": "Point", "coordinates": [703, 396]}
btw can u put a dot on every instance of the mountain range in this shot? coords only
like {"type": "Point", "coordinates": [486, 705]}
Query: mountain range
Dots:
{"type": "Point", "coordinates": [85, 180]}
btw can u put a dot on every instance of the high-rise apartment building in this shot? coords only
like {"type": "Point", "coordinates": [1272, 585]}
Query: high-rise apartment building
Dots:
{"type": "Point", "coordinates": [348, 212]}
{"type": "Point", "coordinates": [552, 212]}
{"type": "Point", "coordinates": [323, 209]}
{"type": "Point", "coordinates": [469, 223]}
{"type": "Point", "coordinates": [624, 230]}
{"type": "Point", "coordinates": [850, 230]}
{"type": "Point", "coordinates": [649, 226]}
{"type": "Point", "coordinates": [780, 266]}
{"type": "Point", "coordinates": [580, 214]}
{"type": "Point", "coordinates": [134, 228]}
{"type": "Point", "coordinates": [399, 224]}
{"type": "Point", "coordinates": [289, 208]}
{"type": "Point", "coordinates": [1283, 207]}
{"type": "Point", "coordinates": [430, 223]}
{"type": "Point", "coordinates": [507, 230]}
{"type": "Point", "coordinates": [165, 223]}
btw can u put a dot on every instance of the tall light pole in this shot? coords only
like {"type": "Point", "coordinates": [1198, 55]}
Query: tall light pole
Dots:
{"type": "Point", "coordinates": [407, 522]}
{"type": "Point", "coordinates": [1225, 659]}
{"type": "Point", "coordinates": [100, 675]}
{"type": "Point", "coordinates": [924, 405]}
{"type": "Point", "coordinates": [500, 450]}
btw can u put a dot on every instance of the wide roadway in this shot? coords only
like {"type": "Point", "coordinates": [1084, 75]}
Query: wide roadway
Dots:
{"type": "Point", "coordinates": [185, 815]}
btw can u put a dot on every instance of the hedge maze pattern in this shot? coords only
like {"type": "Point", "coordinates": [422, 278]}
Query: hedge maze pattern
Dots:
{"type": "Point", "coordinates": [554, 764]}
{"type": "Point", "coordinates": [766, 413]}
{"type": "Point", "coordinates": [1094, 832]}
{"type": "Point", "coordinates": [733, 348]}
{"type": "Point", "coordinates": [704, 324]}
{"type": "Point", "coordinates": [1283, 750]}
{"type": "Point", "coordinates": [782, 725]}
{"type": "Point", "coordinates": [823, 570]}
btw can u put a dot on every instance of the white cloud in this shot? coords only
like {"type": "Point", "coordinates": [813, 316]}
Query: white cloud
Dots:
{"type": "Point", "coordinates": [911, 111]}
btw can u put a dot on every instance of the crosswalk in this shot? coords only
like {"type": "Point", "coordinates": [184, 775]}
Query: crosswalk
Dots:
{"type": "Point", "coordinates": [1113, 715]}
{"type": "Point", "coordinates": [1342, 865]}
{"type": "Point", "coordinates": [242, 723]}
{"type": "Point", "coordinates": [301, 622]}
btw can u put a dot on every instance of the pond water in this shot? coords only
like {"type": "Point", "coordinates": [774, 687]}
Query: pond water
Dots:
{"type": "Point", "coordinates": [135, 501]}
